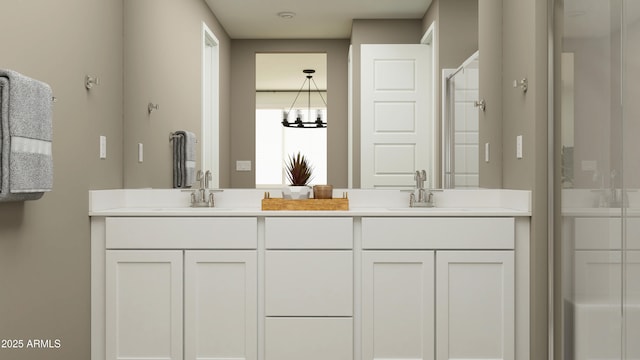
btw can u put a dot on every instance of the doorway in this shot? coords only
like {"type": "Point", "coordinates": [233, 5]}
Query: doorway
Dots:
{"type": "Point", "coordinates": [210, 104]}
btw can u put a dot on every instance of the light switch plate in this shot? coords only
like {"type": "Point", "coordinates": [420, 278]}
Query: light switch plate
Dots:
{"type": "Point", "coordinates": [103, 147]}
{"type": "Point", "coordinates": [519, 146]}
{"type": "Point", "coordinates": [243, 165]}
{"type": "Point", "coordinates": [589, 165]}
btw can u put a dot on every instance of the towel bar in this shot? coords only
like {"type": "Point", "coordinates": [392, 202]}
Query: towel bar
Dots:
{"type": "Point", "coordinates": [172, 135]}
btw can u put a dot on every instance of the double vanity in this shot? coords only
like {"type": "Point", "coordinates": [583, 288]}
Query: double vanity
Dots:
{"type": "Point", "coordinates": [379, 281]}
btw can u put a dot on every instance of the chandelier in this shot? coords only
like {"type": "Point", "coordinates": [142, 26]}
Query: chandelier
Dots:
{"type": "Point", "coordinates": [298, 123]}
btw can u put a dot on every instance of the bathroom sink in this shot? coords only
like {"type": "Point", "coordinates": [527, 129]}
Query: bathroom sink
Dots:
{"type": "Point", "coordinates": [186, 209]}
{"type": "Point", "coordinates": [429, 209]}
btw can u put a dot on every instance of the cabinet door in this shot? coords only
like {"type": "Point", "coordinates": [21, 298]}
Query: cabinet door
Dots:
{"type": "Point", "coordinates": [143, 304]}
{"type": "Point", "coordinates": [220, 305]}
{"type": "Point", "coordinates": [309, 283]}
{"type": "Point", "coordinates": [398, 305]}
{"type": "Point", "coordinates": [475, 316]}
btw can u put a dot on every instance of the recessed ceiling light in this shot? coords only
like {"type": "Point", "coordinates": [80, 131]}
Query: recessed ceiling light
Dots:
{"type": "Point", "coordinates": [287, 14]}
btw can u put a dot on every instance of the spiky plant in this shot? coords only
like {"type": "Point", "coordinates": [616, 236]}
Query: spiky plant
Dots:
{"type": "Point", "coordinates": [299, 171]}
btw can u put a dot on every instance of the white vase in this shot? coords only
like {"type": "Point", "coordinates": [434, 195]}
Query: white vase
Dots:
{"type": "Point", "coordinates": [296, 192]}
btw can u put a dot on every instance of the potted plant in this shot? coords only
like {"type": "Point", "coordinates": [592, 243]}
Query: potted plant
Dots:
{"type": "Point", "coordinates": [299, 174]}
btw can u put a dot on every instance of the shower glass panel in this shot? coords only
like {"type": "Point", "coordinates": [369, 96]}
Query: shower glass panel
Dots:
{"type": "Point", "coordinates": [460, 125]}
{"type": "Point", "coordinates": [599, 107]}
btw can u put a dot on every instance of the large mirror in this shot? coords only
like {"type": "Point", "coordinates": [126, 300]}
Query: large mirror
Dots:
{"type": "Point", "coordinates": [456, 36]}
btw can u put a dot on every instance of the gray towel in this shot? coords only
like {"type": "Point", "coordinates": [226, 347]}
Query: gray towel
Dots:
{"type": "Point", "coordinates": [26, 163]}
{"type": "Point", "coordinates": [184, 159]}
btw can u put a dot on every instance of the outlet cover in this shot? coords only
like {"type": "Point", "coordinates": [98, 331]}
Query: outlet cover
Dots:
{"type": "Point", "coordinates": [519, 147]}
{"type": "Point", "coordinates": [103, 147]}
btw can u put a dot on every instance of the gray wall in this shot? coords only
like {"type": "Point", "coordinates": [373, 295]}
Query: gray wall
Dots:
{"type": "Point", "coordinates": [243, 101]}
{"type": "Point", "coordinates": [374, 32]}
{"type": "Point", "coordinates": [162, 64]}
{"type": "Point", "coordinates": [44, 244]}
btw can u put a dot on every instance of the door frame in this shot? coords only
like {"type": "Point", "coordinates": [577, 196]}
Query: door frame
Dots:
{"type": "Point", "coordinates": [210, 152]}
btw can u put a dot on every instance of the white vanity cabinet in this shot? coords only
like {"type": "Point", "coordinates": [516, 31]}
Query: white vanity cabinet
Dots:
{"type": "Point", "coordinates": [370, 283]}
{"type": "Point", "coordinates": [308, 288]}
{"type": "Point", "coordinates": [189, 297]}
{"type": "Point", "coordinates": [449, 267]}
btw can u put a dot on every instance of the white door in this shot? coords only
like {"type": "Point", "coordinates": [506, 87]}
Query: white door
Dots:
{"type": "Point", "coordinates": [220, 305]}
{"type": "Point", "coordinates": [396, 125]}
{"type": "Point", "coordinates": [475, 316]}
{"type": "Point", "coordinates": [143, 304]}
{"type": "Point", "coordinates": [398, 305]}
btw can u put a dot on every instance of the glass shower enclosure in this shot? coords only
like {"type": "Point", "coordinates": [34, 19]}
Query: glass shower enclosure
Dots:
{"type": "Point", "coordinates": [598, 103]}
{"type": "Point", "coordinates": [460, 124]}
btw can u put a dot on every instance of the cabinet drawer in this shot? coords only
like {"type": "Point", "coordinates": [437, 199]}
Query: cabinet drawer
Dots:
{"type": "Point", "coordinates": [598, 233]}
{"type": "Point", "coordinates": [319, 233]}
{"type": "Point", "coordinates": [309, 283]}
{"type": "Point", "coordinates": [438, 233]}
{"type": "Point", "coordinates": [308, 338]}
{"type": "Point", "coordinates": [181, 233]}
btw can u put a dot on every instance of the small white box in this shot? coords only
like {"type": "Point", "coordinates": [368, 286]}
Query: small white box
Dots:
{"type": "Point", "coordinates": [243, 165]}
{"type": "Point", "coordinates": [519, 146]}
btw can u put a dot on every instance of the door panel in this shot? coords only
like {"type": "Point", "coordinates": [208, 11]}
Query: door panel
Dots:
{"type": "Point", "coordinates": [396, 130]}
{"type": "Point", "coordinates": [143, 304]}
{"type": "Point", "coordinates": [220, 305]}
{"type": "Point", "coordinates": [475, 294]}
{"type": "Point", "coordinates": [398, 305]}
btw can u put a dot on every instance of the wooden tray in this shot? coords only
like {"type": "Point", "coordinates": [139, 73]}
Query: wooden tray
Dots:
{"type": "Point", "coordinates": [305, 204]}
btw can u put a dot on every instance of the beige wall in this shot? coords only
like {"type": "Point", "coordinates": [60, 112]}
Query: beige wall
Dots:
{"type": "Point", "coordinates": [44, 252]}
{"type": "Point", "coordinates": [44, 244]}
{"type": "Point", "coordinates": [243, 101]}
{"type": "Point", "coordinates": [374, 32]}
{"type": "Point", "coordinates": [456, 28]}
{"type": "Point", "coordinates": [162, 65]}
{"type": "Point", "coordinates": [525, 55]}
{"type": "Point", "coordinates": [490, 45]}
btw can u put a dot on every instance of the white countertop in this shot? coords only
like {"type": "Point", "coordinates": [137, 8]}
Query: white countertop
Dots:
{"type": "Point", "coordinates": [246, 202]}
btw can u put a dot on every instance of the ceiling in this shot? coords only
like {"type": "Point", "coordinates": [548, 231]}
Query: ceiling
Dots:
{"type": "Point", "coordinates": [314, 19]}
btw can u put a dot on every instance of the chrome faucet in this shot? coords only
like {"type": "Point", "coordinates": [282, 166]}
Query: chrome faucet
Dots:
{"type": "Point", "coordinates": [612, 196]}
{"type": "Point", "coordinates": [421, 197]}
{"type": "Point", "coordinates": [203, 195]}
{"type": "Point", "coordinates": [617, 197]}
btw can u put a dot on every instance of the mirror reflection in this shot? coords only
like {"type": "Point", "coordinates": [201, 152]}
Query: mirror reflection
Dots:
{"type": "Point", "coordinates": [287, 93]}
{"type": "Point", "coordinates": [342, 151]}
{"type": "Point", "coordinates": [461, 125]}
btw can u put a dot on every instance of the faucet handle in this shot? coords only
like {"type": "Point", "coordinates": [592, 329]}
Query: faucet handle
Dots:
{"type": "Point", "coordinates": [207, 179]}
